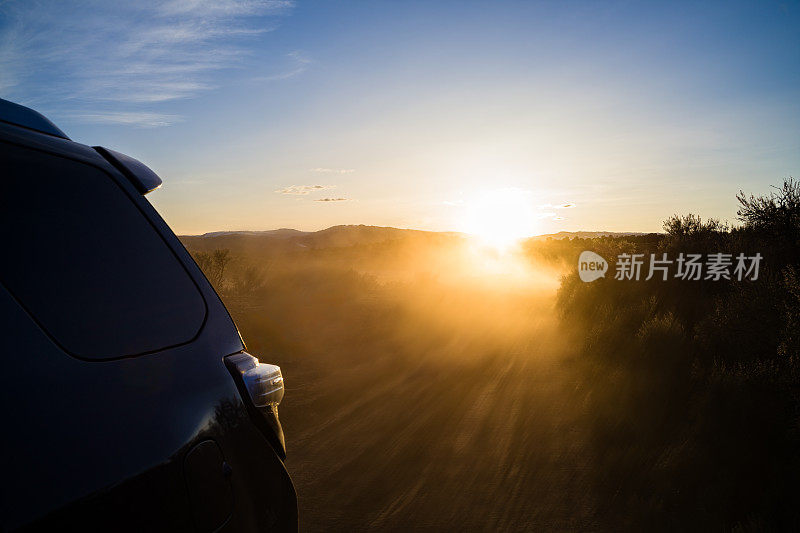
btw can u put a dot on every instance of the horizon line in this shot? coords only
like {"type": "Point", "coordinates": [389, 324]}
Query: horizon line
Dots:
{"type": "Point", "coordinates": [405, 229]}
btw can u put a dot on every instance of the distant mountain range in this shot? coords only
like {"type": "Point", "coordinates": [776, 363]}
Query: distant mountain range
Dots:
{"type": "Point", "coordinates": [286, 239]}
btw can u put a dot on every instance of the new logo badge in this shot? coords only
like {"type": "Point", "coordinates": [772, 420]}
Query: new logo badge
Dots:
{"type": "Point", "coordinates": [591, 266]}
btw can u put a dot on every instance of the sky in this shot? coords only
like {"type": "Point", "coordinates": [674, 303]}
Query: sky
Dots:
{"type": "Point", "coordinates": [560, 116]}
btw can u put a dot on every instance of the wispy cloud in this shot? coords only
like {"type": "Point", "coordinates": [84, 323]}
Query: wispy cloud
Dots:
{"type": "Point", "coordinates": [141, 119]}
{"type": "Point", "coordinates": [298, 63]}
{"type": "Point", "coordinates": [323, 170]}
{"type": "Point", "coordinates": [551, 214]}
{"type": "Point", "coordinates": [332, 200]}
{"type": "Point", "coordinates": [223, 7]}
{"type": "Point", "coordinates": [303, 189]}
{"type": "Point", "coordinates": [117, 62]}
{"type": "Point", "coordinates": [567, 205]}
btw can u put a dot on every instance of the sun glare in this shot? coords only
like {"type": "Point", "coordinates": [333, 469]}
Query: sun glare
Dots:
{"type": "Point", "coordinates": [499, 218]}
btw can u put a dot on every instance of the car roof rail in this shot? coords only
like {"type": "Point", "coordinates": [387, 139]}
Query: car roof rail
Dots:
{"type": "Point", "coordinates": [19, 115]}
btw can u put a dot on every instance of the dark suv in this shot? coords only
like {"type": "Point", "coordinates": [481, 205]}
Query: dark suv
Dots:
{"type": "Point", "coordinates": [129, 401]}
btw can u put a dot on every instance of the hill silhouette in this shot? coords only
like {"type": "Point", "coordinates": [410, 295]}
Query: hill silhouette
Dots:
{"type": "Point", "coordinates": [292, 240]}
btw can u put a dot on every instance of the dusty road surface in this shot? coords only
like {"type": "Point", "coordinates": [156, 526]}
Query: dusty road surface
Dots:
{"type": "Point", "coordinates": [401, 416]}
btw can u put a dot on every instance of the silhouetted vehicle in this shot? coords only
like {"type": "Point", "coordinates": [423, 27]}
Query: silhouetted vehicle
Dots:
{"type": "Point", "coordinates": [128, 399]}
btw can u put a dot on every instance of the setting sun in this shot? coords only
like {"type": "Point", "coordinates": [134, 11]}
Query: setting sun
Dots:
{"type": "Point", "coordinates": [499, 218]}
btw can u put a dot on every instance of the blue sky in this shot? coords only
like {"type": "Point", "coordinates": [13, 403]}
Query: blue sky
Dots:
{"type": "Point", "coordinates": [407, 113]}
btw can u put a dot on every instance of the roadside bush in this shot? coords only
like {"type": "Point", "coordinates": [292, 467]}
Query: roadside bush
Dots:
{"type": "Point", "coordinates": [695, 383]}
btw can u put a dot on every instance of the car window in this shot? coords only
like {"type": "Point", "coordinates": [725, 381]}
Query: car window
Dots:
{"type": "Point", "coordinates": [86, 263]}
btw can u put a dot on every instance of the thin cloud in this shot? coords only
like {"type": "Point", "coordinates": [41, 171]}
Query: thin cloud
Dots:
{"type": "Point", "coordinates": [303, 189]}
{"type": "Point", "coordinates": [332, 199]}
{"type": "Point", "coordinates": [223, 7]}
{"type": "Point", "coordinates": [551, 214]}
{"type": "Point", "coordinates": [299, 63]}
{"type": "Point", "coordinates": [323, 170]}
{"type": "Point", "coordinates": [134, 118]}
{"type": "Point", "coordinates": [120, 61]}
{"type": "Point", "coordinates": [566, 205]}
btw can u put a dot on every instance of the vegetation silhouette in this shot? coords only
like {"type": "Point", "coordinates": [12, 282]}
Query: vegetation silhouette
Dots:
{"type": "Point", "coordinates": [694, 384]}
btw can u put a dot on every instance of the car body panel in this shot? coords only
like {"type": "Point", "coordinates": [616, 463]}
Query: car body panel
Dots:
{"type": "Point", "coordinates": [102, 444]}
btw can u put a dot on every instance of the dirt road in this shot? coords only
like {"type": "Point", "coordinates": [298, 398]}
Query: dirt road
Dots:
{"type": "Point", "coordinates": [491, 443]}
